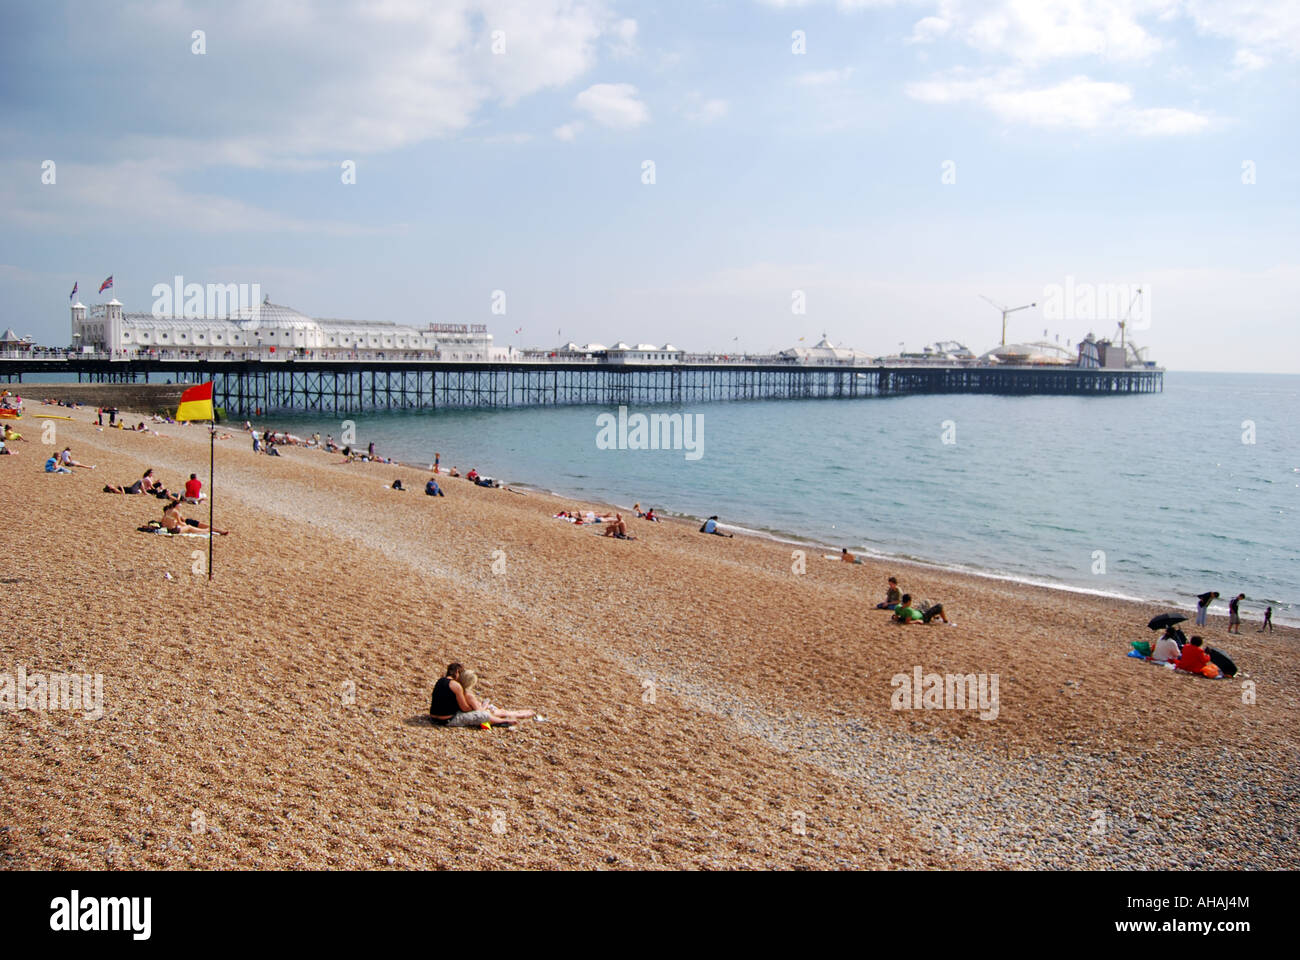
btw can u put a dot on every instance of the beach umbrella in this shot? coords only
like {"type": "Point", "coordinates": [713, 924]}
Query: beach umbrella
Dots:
{"type": "Point", "coordinates": [1165, 620]}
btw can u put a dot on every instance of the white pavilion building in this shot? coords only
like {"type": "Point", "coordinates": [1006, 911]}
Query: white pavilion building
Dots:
{"type": "Point", "coordinates": [273, 332]}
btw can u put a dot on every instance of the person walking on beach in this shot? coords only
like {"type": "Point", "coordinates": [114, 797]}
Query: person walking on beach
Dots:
{"type": "Point", "coordinates": [1234, 613]}
{"type": "Point", "coordinates": [1203, 602]}
{"type": "Point", "coordinates": [1268, 621]}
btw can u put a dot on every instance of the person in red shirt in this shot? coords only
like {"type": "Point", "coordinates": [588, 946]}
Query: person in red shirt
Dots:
{"type": "Point", "coordinates": [193, 488]}
{"type": "Point", "coordinates": [1193, 659]}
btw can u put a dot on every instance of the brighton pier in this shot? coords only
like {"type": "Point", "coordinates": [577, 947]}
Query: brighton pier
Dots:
{"type": "Point", "coordinates": [242, 387]}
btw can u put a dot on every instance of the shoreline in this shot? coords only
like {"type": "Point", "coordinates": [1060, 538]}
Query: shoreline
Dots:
{"type": "Point", "coordinates": [796, 539]}
{"type": "Point", "coordinates": [700, 693]}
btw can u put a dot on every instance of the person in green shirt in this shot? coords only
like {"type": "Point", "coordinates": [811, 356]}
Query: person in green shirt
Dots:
{"type": "Point", "coordinates": [905, 612]}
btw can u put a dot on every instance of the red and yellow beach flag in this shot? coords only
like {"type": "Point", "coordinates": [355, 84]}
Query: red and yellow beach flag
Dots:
{"type": "Point", "coordinates": [196, 403]}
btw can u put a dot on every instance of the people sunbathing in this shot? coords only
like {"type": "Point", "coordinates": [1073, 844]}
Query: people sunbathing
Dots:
{"type": "Point", "coordinates": [454, 705]}
{"type": "Point", "coordinates": [848, 557]}
{"type": "Point", "coordinates": [65, 459]}
{"type": "Point", "coordinates": [616, 527]}
{"type": "Point", "coordinates": [143, 485]}
{"type": "Point", "coordinates": [173, 522]}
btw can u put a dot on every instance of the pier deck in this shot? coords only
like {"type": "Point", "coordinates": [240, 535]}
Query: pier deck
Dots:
{"type": "Point", "coordinates": [343, 387]}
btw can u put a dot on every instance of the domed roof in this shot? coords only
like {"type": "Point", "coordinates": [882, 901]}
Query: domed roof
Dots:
{"type": "Point", "coordinates": [279, 316]}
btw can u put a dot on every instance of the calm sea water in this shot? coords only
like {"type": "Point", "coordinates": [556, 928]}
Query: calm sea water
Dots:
{"type": "Point", "coordinates": [1031, 488]}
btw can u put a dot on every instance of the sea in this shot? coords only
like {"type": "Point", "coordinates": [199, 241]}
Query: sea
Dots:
{"type": "Point", "coordinates": [1156, 497]}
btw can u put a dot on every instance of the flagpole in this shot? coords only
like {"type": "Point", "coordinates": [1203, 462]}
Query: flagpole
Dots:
{"type": "Point", "coordinates": [212, 457]}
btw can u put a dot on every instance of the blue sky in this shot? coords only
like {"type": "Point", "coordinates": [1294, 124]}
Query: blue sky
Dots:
{"type": "Point", "coordinates": [1103, 144]}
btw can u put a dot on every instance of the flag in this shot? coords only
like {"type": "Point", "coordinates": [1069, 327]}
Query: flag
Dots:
{"type": "Point", "coordinates": [196, 403]}
{"type": "Point", "coordinates": [106, 284]}
{"type": "Point", "coordinates": [73, 294]}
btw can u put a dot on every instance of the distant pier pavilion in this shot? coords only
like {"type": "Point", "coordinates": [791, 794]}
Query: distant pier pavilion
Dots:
{"type": "Point", "coordinates": [337, 387]}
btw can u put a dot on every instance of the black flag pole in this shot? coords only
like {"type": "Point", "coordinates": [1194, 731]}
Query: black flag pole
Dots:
{"type": "Point", "coordinates": [212, 459]}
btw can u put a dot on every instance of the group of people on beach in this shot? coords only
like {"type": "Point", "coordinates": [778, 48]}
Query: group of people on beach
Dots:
{"type": "Point", "coordinates": [1203, 601]}
{"type": "Point", "coordinates": [1189, 655]}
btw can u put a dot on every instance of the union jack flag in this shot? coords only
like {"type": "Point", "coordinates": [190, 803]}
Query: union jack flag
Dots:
{"type": "Point", "coordinates": [106, 284]}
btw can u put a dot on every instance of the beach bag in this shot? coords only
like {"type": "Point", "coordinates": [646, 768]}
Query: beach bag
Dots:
{"type": "Point", "coordinates": [1210, 670]}
{"type": "Point", "coordinates": [1142, 646]}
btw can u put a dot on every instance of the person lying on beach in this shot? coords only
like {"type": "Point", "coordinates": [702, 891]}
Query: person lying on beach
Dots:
{"type": "Point", "coordinates": [11, 434]}
{"type": "Point", "coordinates": [432, 489]}
{"type": "Point", "coordinates": [892, 596]}
{"type": "Point", "coordinates": [482, 481]}
{"type": "Point", "coordinates": [65, 458]}
{"type": "Point", "coordinates": [907, 613]}
{"type": "Point", "coordinates": [450, 707]}
{"type": "Point", "coordinates": [848, 557]}
{"type": "Point", "coordinates": [143, 485]}
{"type": "Point", "coordinates": [175, 523]}
{"type": "Point", "coordinates": [711, 526]}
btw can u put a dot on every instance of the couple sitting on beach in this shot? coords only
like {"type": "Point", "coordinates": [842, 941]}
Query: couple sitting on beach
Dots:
{"type": "Point", "coordinates": [454, 704]}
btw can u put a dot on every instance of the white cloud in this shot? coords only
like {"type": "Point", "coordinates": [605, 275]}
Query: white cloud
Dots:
{"type": "Point", "coordinates": [622, 38]}
{"type": "Point", "coordinates": [700, 110]}
{"type": "Point", "coordinates": [927, 29]}
{"type": "Point", "coordinates": [138, 192]}
{"type": "Point", "coordinates": [568, 131]}
{"type": "Point", "coordinates": [1078, 103]}
{"type": "Point", "coordinates": [1038, 31]}
{"type": "Point", "coordinates": [1262, 30]}
{"type": "Point", "coordinates": [613, 105]}
{"type": "Point", "coordinates": [286, 83]}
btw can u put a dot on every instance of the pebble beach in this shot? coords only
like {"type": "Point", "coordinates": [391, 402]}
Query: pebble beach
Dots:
{"type": "Point", "coordinates": [709, 703]}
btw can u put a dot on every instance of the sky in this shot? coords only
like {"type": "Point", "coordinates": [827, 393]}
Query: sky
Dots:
{"type": "Point", "coordinates": [722, 176]}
